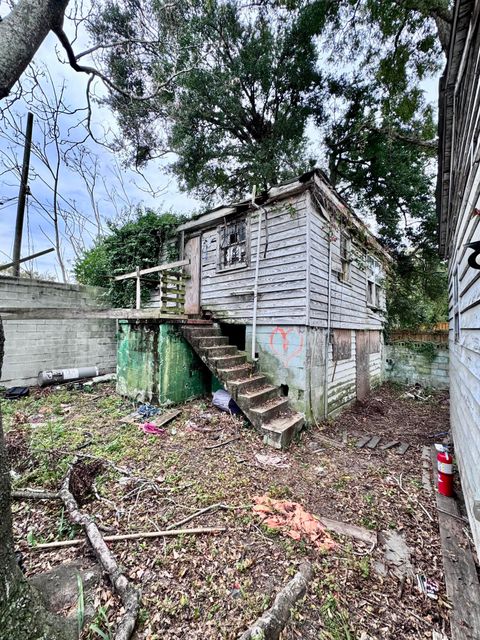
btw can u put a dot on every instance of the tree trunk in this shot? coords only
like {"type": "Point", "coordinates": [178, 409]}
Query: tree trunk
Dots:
{"type": "Point", "coordinates": [22, 32]}
{"type": "Point", "coordinates": [23, 615]}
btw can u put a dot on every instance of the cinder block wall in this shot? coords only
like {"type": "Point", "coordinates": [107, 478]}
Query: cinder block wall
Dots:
{"type": "Point", "coordinates": [411, 362]}
{"type": "Point", "coordinates": [34, 345]}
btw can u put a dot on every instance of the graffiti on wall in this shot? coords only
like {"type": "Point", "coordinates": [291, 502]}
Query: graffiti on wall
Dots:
{"type": "Point", "coordinates": [286, 344]}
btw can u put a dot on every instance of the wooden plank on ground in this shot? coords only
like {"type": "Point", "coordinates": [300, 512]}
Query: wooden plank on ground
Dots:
{"type": "Point", "coordinates": [461, 580]}
{"type": "Point", "coordinates": [373, 442]}
{"type": "Point", "coordinates": [363, 441]}
{"type": "Point", "coordinates": [343, 528]}
{"type": "Point", "coordinates": [390, 444]}
{"type": "Point", "coordinates": [427, 485]}
{"type": "Point", "coordinates": [403, 448]}
{"type": "Point", "coordinates": [165, 418]}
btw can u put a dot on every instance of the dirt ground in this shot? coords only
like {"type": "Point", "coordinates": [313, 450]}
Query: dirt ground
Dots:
{"type": "Point", "coordinates": [215, 586]}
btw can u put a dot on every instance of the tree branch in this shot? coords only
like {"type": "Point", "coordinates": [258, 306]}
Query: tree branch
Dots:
{"type": "Point", "coordinates": [92, 71]}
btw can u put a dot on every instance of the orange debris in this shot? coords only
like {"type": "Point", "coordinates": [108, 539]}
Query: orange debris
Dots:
{"type": "Point", "coordinates": [292, 518]}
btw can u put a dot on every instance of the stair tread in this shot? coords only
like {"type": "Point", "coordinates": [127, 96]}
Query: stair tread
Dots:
{"type": "Point", "coordinates": [270, 404]}
{"type": "Point", "coordinates": [283, 423]}
{"type": "Point", "coordinates": [258, 392]}
{"type": "Point", "coordinates": [238, 367]}
{"type": "Point", "coordinates": [225, 359]}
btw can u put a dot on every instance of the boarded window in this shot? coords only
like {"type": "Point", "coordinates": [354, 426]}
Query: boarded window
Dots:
{"type": "Point", "coordinates": [373, 341]}
{"type": "Point", "coordinates": [342, 344]}
{"type": "Point", "coordinates": [233, 244]}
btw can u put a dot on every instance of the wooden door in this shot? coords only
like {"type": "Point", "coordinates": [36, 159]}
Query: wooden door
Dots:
{"type": "Point", "coordinates": [362, 359]}
{"type": "Point", "coordinates": [192, 286]}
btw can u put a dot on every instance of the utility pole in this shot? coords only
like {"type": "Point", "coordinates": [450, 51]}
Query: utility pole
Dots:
{"type": "Point", "coordinates": [22, 196]}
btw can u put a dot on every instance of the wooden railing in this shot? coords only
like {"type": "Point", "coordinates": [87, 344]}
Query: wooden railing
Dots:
{"type": "Point", "coordinates": [171, 286]}
{"type": "Point", "coordinates": [172, 291]}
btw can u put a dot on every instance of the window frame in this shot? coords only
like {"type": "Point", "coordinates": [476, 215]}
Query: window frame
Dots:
{"type": "Point", "coordinates": [374, 278]}
{"type": "Point", "coordinates": [346, 260]}
{"type": "Point", "coordinates": [240, 265]}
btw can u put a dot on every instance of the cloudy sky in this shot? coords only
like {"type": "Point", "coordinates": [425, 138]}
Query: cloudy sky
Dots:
{"type": "Point", "coordinates": [117, 187]}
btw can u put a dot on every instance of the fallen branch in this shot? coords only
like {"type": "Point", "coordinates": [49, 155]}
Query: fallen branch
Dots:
{"type": "Point", "coordinates": [132, 536]}
{"type": "Point", "coordinates": [129, 595]}
{"type": "Point", "coordinates": [34, 494]}
{"type": "Point", "coordinates": [400, 485]}
{"type": "Point", "coordinates": [221, 444]}
{"type": "Point", "coordinates": [271, 623]}
{"type": "Point", "coordinates": [200, 512]}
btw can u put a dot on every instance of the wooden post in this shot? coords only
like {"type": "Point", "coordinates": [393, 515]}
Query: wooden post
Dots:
{"type": "Point", "coordinates": [138, 297]}
{"type": "Point", "coordinates": [22, 196]}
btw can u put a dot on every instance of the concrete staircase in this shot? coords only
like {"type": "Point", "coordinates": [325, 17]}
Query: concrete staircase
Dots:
{"type": "Point", "coordinates": [259, 400]}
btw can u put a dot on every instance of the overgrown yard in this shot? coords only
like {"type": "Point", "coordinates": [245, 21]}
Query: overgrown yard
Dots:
{"type": "Point", "coordinates": [215, 586]}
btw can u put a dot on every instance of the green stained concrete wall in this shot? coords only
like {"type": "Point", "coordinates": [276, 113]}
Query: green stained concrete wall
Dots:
{"type": "Point", "coordinates": [156, 364]}
{"type": "Point", "coordinates": [425, 363]}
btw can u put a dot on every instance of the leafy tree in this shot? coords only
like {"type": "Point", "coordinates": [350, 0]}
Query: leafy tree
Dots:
{"type": "Point", "coordinates": [143, 242]}
{"type": "Point", "coordinates": [246, 87]}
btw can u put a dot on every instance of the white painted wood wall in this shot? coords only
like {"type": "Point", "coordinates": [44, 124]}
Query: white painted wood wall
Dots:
{"type": "Point", "coordinates": [459, 201]}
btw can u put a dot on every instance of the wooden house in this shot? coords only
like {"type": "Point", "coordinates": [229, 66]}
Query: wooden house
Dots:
{"type": "Point", "coordinates": [458, 203]}
{"type": "Point", "coordinates": [297, 281]}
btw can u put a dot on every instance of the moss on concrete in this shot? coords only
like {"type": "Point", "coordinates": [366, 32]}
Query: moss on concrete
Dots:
{"type": "Point", "coordinates": [155, 363]}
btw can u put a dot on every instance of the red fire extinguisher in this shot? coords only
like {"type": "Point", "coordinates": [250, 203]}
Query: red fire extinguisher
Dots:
{"type": "Point", "coordinates": [445, 470]}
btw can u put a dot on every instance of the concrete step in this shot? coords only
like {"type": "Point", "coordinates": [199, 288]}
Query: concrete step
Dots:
{"type": "Point", "coordinates": [236, 387]}
{"type": "Point", "coordinates": [213, 352]}
{"type": "Point", "coordinates": [279, 433]}
{"type": "Point", "coordinates": [268, 411]}
{"type": "Point", "coordinates": [235, 373]}
{"type": "Point", "coordinates": [209, 341]}
{"type": "Point", "coordinates": [228, 362]}
{"type": "Point", "coordinates": [196, 332]}
{"type": "Point", "coordinates": [259, 396]}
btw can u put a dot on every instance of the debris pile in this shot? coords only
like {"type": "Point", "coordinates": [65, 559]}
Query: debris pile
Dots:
{"type": "Point", "coordinates": [292, 518]}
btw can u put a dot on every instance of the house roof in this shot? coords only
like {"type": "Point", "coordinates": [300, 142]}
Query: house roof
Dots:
{"type": "Point", "coordinates": [458, 50]}
{"type": "Point", "coordinates": [315, 179]}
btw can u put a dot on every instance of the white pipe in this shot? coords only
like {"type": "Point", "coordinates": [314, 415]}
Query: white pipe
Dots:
{"type": "Point", "coordinates": [255, 284]}
{"type": "Point", "coordinates": [327, 337]}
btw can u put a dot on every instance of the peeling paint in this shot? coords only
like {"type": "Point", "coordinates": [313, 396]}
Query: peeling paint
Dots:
{"type": "Point", "coordinates": [156, 364]}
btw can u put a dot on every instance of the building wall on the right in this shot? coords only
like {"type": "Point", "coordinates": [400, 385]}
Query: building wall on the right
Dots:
{"type": "Point", "coordinates": [458, 202]}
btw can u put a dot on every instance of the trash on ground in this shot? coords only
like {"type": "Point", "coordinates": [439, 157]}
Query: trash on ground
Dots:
{"type": "Point", "coordinates": [16, 392]}
{"type": "Point", "coordinates": [292, 518]}
{"type": "Point", "coordinates": [152, 429]}
{"type": "Point", "coordinates": [427, 586]}
{"type": "Point", "coordinates": [224, 401]}
{"type": "Point", "coordinates": [147, 410]}
{"type": "Point", "coordinates": [272, 460]}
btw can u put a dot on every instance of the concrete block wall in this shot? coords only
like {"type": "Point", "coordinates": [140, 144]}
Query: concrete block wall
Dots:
{"type": "Point", "coordinates": [411, 362]}
{"type": "Point", "coordinates": [34, 345]}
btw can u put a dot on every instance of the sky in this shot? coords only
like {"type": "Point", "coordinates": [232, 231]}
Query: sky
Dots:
{"type": "Point", "coordinates": [118, 193]}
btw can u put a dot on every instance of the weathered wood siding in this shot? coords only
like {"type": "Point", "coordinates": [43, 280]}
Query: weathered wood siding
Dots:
{"type": "Point", "coordinates": [349, 309]}
{"type": "Point", "coordinates": [341, 379]}
{"type": "Point", "coordinates": [458, 203]}
{"type": "Point", "coordinates": [282, 283]}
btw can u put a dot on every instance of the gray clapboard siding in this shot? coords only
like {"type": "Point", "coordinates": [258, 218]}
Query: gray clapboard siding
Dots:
{"type": "Point", "coordinates": [282, 270]}
{"type": "Point", "coordinates": [459, 196]}
{"type": "Point", "coordinates": [348, 300]}
{"type": "Point", "coordinates": [341, 379]}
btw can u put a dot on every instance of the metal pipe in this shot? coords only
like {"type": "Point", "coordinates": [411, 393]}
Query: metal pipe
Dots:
{"type": "Point", "coordinates": [327, 337]}
{"type": "Point", "coordinates": [255, 284]}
